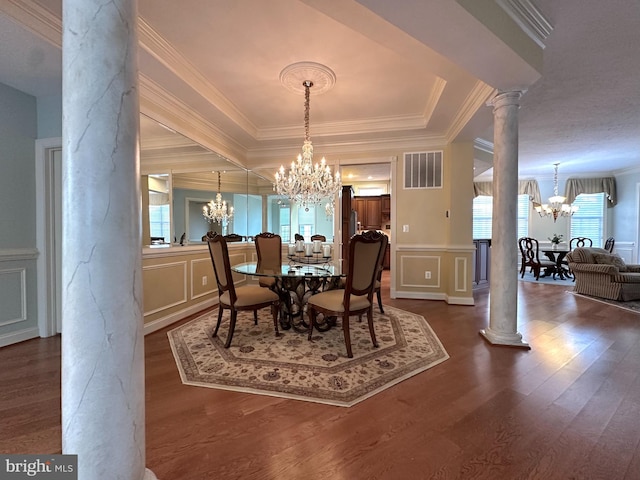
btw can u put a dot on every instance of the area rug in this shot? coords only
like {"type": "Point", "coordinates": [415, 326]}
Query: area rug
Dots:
{"type": "Point", "coordinates": [292, 367]}
{"type": "Point", "coordinates": [530, 277]}
{"type": "Point", "coordinates": [632, 305]}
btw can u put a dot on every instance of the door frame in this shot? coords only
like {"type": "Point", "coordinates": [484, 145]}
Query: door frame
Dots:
{"type": "Point", "coordinates": [47, 191]}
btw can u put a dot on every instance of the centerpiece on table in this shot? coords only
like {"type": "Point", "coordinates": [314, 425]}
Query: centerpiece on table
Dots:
{"type": "Point", "coordinates": [555, 240]}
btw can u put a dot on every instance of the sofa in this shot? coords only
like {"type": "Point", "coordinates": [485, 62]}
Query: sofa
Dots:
{"type": "Point", "coordinates": [602, 274]}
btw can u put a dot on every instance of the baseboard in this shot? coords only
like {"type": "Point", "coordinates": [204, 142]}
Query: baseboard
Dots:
{"type": "Point", "coordinates": [18, 336]}
{"type": "Point", "coordinates": [418, 295]}
{"type": "Point", "coordinates": [160, 323]}
{"type": "Point", "coordinates": [460, 300]}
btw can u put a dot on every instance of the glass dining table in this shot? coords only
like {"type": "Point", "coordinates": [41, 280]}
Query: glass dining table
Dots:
{"type": "Point", "coordinates": [294, 284]}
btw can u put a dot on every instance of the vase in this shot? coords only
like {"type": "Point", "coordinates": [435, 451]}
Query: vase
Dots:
{"type": "Point", "coordinates": [554, 246]}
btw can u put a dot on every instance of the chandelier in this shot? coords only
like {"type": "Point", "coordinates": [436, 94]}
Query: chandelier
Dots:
{"type": "Point", "coordinates": [305, 183]}
{"type": "Point", "coordinates": [217, 211]}
{"type": "Point", "coordinates": [556, 206]}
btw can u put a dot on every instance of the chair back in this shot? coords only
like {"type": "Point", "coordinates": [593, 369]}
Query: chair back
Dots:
{"type": "Point", "coordinates": [233, 237]}
{"type": "Point", "coordinates": [297, 237]}
{"type": "Point", "coordinates": [608, 245]}
{"type": "Point", "coordinates": [317, 236]}
{"type": "Point", "coordinates": [529, 249]}
{"type": "Point", "coordinates": [269, 249]}
{"type": "Point", "coordinates": [364, 261]}
{"type": "Point", "coordinates": [221, 264]}
{"type": "Point", "coordinates": [580, 242]}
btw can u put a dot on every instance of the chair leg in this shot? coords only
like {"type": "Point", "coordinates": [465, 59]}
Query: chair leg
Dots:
{"type": "Point", "coordinates": [371, 330]}
{"type": "Point", "coordinates": [255, 317]}
{"type": "Point", "coordinates": [232, 327]}
{"type": "Point", "coordinates": [215, 332]}
{"type": "Point", "coordinates": [275, 308]}
{"type": "Point", "coordinates": [347, 335]}
{"type": "Point", "coordinates": [379, 295]}
{"type": "Point", "coordinates": [312, 320]}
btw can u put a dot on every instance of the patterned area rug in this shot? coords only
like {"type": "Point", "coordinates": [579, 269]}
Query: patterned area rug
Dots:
{"type": "Point", "coordinates": [632, 305]}
{"type": "Point", "coordinates": [293, 367]}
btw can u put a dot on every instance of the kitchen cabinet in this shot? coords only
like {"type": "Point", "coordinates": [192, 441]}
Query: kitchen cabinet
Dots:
{"type": "Point", "coordinates": [369, 212]}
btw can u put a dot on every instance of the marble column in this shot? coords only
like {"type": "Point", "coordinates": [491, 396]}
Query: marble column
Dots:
{"type": "Point", "coordinates": [503, 281]}
{"type": "Point", "coordinates": [103, 416]}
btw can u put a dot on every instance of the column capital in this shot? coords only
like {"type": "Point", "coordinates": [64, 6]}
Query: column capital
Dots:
{"type": "Point", "coordinates": [506, 98]}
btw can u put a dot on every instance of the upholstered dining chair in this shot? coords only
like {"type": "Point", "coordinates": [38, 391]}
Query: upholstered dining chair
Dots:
{"type": "Point", "coordinates": [269, 250]}
{"type": "Point", "coordinates": [356, 297]}
{"type": "Point", "coordinates": [317, 236]}
{"type": "Point", "coordinates": [246, 297]}
{"type": "Point", "coordinates": [297, 237]}
{"type": "Point", "coordinates": [609, 243]}
{"type": "Point", "coordinates": [530, 251]}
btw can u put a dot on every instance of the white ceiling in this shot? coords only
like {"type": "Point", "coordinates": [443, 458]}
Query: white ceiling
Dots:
{"type": "Point", "coordinates": [407, 73]}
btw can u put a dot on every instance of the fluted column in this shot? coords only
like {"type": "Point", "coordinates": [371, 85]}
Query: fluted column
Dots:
{"type": "Point", "coordinates": [503, 306]}
{"type": "Point", "coordinates": [103, 418]}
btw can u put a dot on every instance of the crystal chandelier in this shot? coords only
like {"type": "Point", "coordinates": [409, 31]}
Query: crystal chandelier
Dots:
{"type": "Point", "coordinates": [556, 206]}
{"type": "Point", "coordinates": [305, 183]}
{"type": "Point", "coordinates": [217, 211]}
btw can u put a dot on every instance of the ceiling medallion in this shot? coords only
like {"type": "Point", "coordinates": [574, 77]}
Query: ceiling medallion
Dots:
{"type": "Point", "coordinates": [294, 76]}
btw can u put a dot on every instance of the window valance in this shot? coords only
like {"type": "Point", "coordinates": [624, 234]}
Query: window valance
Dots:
{"type": "Point", "coordinates": [606, 185]}
{"type": "Point", "coordinates": [525, 187]}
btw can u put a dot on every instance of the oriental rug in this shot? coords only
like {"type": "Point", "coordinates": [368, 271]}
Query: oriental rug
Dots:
{"type": "Point", "coordinates": [290, 366]}
{"type": "Point", "coordinates": [631, 305]}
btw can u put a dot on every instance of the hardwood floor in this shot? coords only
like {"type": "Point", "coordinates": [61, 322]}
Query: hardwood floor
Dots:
{"type": "Point", "coordinates": [567, 409]}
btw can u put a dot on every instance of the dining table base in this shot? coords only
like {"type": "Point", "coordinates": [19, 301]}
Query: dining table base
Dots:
{"type": "Point", "coordinates": [294, 292]}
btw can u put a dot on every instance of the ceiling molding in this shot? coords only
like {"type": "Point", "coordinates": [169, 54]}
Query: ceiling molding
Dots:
{"type": "Point", "coordinates": [434, 98]}
{"type": "Point", "coordinates": [348, 127]}
{"type": "Point", "coordinates": [165, 108]}
{"type": "Point", "coordinates": [483, 145]}
{"type": "Point", "coordinates": [477, 98]}
{"type": "Point", "coordinates": [529, 18]}
{"type": "Point", "coordinates": [162, 51]}
{"type": "Point", "coordinates": [36, 19]}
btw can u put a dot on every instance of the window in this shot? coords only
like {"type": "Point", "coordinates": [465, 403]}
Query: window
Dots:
{"type": "Point", "coordinates": [159, 224]}
{"type": "Point", "coordinates": [483, 215]}
{"type": "Point", "coordinates": [423, 170]}
{"type": "Point", "coordinates": [588, 221]}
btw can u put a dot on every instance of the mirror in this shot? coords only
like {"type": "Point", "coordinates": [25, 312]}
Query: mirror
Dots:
{"type": "Point", "coordinates": [179, 177]}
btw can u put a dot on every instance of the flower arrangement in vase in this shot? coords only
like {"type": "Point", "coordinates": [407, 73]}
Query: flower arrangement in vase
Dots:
{"type": "Point", "coordinates": [555, 240]}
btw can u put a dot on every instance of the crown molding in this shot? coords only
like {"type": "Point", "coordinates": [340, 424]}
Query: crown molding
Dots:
{"type": "Point", "coordinates": [478, 97]}
{"type": "Point", "coordinates": [36, 19]}
{"type": "Point", "coordinates": [434, 98]}
{"type": "Point", "coordinates": [483, 145]}
{"type": "Point", "coordinates": [164, 52]}
{"type": "Point", "coordinates": [529, 18]}
{"type": "Point", "coordinates": [163, 107]}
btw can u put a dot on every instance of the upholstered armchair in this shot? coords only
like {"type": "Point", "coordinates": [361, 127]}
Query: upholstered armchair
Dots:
{"type": "Point", "coordinates": [602, 274]}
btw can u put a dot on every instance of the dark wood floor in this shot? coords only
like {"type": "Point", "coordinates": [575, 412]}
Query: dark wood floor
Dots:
{"type": "Point", "coordinates": [567, 409]}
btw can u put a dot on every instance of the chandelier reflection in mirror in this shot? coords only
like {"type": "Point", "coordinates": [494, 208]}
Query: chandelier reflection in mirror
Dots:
{"type": "Point", "coordinates": [218, 211]}
{"type": "Point", "coordinates": [305, 183]}
{"type": "Point", "coordinates": [556, 206]}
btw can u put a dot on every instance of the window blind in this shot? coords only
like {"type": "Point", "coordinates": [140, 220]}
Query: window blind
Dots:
{"type": "Point", "coordinates": [483, 214]}
{"type": "Point", "coordinates": [588, 221]}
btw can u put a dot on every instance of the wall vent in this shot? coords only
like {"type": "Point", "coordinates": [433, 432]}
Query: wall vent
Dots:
{"type": "Point", "coordinates": [423, 170]}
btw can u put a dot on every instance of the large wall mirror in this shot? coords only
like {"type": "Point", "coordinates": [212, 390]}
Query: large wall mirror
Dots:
{"type": "Point", "coordinates": [180, 177]}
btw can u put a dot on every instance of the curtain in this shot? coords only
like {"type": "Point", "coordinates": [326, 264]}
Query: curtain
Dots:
{"type": "Point", "coordinates": [576, 186]}
{"type": "Point", "coordinates": [525, 187]}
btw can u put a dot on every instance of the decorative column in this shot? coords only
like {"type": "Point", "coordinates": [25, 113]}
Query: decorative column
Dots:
{"type": "Point", "coordinates": [103, 416]}
{"type": "Point", "coordinates": [503, 314]}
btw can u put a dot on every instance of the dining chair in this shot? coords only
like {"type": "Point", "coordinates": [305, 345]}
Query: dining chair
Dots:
{"type": "Point", "coordinates": [297, 237]}
{"type": "Point", "coordinates": [233, 237]}
{"type": "Point", "coordinates": [269, 250]}
{"type": "Point", "coordinates": [378, 282]}
{"type": "Point", "coordinates": [530, 251]}
{"type": "Point", "coordinates": [609, 243]}
{"type": "Point", "coordinates": [244, 298]}
{"type": "Point", "coordinates": [317, 236]}
{"type": "Point", "coordinates": [580, 242]}
{"type": "Point", "coordinates": [357, 296]}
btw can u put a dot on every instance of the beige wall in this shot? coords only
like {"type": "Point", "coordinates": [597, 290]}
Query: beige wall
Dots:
{"type": "Point", "coordinates": [438, 243]}
{"type": "Point", "coordinates": [179, 281]}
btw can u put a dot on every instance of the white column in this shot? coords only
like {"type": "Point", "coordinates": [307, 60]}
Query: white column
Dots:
{"type": "Point", "coordinates": [103, 417]}
{"type": "Point", "coordinates": [503, 307]}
